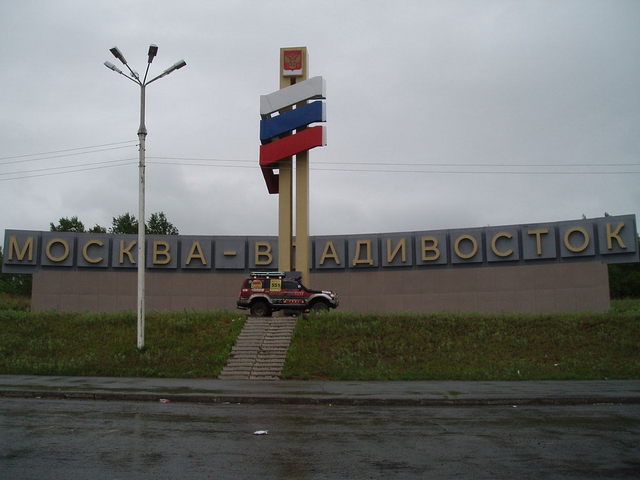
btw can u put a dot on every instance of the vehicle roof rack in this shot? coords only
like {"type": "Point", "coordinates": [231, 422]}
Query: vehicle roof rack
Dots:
{"type": "Point", "coordinates": [295, 275]}
{"type": "Point", "coordinates": [268, 274]}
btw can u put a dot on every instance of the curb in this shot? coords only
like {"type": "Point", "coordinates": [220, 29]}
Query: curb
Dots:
{"type": "Point", "coordinates": [310, 400]}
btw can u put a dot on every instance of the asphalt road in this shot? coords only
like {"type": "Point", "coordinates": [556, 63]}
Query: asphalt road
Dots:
{"type": "Point", "coordinates": [116, 440]}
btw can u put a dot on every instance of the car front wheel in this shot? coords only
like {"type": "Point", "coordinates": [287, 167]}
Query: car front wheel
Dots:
{"type": "Point", "coordinates": [320, 306]}
{"type": "Point", "coordinates": [260, 308]}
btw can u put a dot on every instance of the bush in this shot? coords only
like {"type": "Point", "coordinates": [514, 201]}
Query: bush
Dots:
{"type": "Point", "coordinates": [624, 280]}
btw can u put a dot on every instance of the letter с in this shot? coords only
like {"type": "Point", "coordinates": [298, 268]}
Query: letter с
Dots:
{"type": "Point", "coordinates": [85, 251]}
{"type": "Point", "coordinates": [494, 244]}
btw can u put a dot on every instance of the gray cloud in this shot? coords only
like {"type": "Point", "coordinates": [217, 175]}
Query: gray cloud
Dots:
{"type": "Point", "coordinates": [459, 84]}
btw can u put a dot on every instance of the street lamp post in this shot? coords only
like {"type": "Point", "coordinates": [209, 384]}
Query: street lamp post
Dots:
{"type": "Point", "coordinates": [142, 134]}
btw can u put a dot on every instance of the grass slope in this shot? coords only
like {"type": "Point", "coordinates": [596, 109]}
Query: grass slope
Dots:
{"type": "Point", "coordinates": [335, 346]}
{"type": "Point", "coordinates": [177, 344]}
{"type": "Point", "coordinates": [340, 346]}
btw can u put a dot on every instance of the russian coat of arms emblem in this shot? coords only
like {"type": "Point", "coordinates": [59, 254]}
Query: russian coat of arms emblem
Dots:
{"type": "Point", "coordinates": [292, 62]}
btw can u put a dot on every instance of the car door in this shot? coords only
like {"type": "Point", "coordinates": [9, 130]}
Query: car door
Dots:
{"type": "Point", "coordinates": [292, 293]}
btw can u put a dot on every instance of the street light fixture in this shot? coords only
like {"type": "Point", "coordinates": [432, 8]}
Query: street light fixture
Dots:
{"type": "Point", "coordinates": [118, 54]}
{"type": "Point", "coordinates": [142, 133]}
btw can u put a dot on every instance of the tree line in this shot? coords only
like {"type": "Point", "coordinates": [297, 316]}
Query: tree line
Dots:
{"type": "Point", "coordinates": [158, 224]}
{"type": "Point", "coordinates": [125, 223]}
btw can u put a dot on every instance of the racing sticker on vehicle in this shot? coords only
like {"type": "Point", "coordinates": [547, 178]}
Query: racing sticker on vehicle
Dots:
{"type": "Point", "coordinates": [288, 301]}
{"type": "Point", "coordinates": [276, 285]}
{"type": "Point", "coordinates": [256, 284]}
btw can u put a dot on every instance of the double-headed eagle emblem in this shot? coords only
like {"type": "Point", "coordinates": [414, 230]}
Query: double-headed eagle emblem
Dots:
{"type": "Point", "coordinates": [293, 60]}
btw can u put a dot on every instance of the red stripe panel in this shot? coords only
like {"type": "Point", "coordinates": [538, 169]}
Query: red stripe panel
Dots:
{"type": "Point", "coordinates": [271, 179]}
{"type": "Point", "coordinates": [273, 152]}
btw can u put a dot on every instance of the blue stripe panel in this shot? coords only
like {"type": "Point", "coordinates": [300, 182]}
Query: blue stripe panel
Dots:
{"type": "Point", "coordinates": [291, 120]}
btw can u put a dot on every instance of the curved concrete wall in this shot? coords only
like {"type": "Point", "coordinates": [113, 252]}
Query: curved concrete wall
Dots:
{"type": "Point", "coordinates": [554, 287]}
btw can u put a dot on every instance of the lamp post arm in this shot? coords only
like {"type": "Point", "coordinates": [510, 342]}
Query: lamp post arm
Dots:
{"type": "Point", "coordinates": [134, 80]}
{"type": "Point", "coordinates": [133, 74]}
{"type": "Point", "coordinates": [173, 67]}
{"type": "Point", "coordinates": [111, 66]}
{"type": "Point", "coordinates": [155, 78]}
{"type": "Point", "coordinates": [146, 72]}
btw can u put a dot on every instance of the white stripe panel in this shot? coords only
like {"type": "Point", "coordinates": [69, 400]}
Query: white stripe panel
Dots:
{"type": "Point", "coordinates": [309, 89]}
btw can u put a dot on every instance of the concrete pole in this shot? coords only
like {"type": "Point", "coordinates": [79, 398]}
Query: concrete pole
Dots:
{"type": "Point", "coordinates": [285, 237]}
{"type": "Point", "coordinates": [302, 253]}
{"type": "Point", "coordinates": [142, 134]}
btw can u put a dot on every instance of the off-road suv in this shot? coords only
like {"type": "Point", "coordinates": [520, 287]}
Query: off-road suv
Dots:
{"type": "Point", "coordinates": [265, 292]}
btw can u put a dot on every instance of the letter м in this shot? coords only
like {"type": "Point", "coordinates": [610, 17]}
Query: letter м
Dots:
{"type": "Point", "coordinates": [14, 248]}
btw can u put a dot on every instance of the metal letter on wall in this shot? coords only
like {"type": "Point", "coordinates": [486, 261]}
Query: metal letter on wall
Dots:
{"type": "Point", "coordinates": [608, 239]}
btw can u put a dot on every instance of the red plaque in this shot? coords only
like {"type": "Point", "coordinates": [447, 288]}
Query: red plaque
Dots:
{"type": "Point", "coordinates": [293, 62]}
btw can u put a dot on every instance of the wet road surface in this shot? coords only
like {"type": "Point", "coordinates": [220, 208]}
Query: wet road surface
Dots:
{"type": "Point", "coordinates": [116, 440]}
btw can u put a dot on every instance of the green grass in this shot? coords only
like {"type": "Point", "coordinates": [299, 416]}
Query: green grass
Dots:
{"type": "Point", "coordinates": [14, 302]}
{"type": "Point", "coordinates": [342, 346]}
{"type": "Point", "coordinates": [626, 305]}
{"type": "Point", "coordinates": [177, 344]}
{"type": "Point", "coordinates": [333, 346]}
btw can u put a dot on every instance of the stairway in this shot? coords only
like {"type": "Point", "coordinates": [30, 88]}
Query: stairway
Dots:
{"type": "Point", "coordinates": [260, 350]}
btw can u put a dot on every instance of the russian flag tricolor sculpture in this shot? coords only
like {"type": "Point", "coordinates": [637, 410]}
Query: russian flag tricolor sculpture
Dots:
{"type": "Point", "coordinates": [284, 128]}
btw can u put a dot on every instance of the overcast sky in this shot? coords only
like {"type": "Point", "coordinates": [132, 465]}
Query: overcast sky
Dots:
{"type": "Point", "coordinates": [440, 114]}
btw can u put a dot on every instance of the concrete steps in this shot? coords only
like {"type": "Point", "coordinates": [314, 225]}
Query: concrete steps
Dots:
{"type": "Point", "coordinates": [260, 350]}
